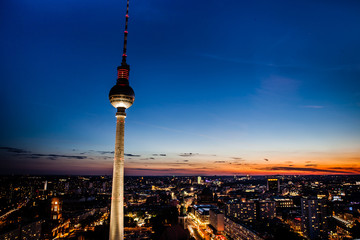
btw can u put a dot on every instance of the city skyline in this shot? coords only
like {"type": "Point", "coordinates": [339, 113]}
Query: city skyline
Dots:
{"type": "Point", "coordinates": [222, 88]}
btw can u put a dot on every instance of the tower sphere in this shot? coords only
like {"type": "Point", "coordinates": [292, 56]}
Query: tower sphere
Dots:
{"type": "Point", "coordinates": [121, 95]}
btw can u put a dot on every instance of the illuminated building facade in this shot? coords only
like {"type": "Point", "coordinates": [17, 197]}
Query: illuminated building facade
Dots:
{"type": "Point", "coordinates": [30, 231]}
{"type": "Point", "coordinates": [56, 207]}
{"type": "Point", "coordinates": [202, 212]}
{"type": "Point", "coordinates": [242, 210]}
{"type": "Point", "coordinates": [273, 185]}
{"type": "Point", "coordinates": [216, 218]}
{"type": "Point", "coordinates": [121, 96]}
{"type": "Point", "coordinates": [314, 214]}
{"type": "Point", "coordinates": [282, 202]}
{"type": "Point", "coordinates": [237, 231]}
{"type": "Point", "coordinates": [266, 209]}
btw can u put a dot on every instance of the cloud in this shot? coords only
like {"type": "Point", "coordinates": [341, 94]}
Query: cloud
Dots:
{"type": "Point", "coordinates": [55, 156]}
{"type": "Point", "coordinates": [105, 152]}
{"type": "Point", "coordinates": [28, 154]}
{"type": "Point", "coordinates": [188, 154]}
{"type": "Point", "coordinates": [238, 159]}
{"type": "Point", "coordinates": [186, 160]}
{"type": "Point", "coordinates": [178, 163]}
{"type": "Point", "coordinates": [245, 164]}
{"type": "Point", "coordinates": [97, 151]}
{"type": "Point", "coordinates": [302, 169]}
{"type": "Point", "coordinates": [313, 106]}
{"type": "Point", "coordinates": [266, 159]}
{"type": "Point", "coordinates": [219, 162]}
{"type": "Point", "coordinates": [131, 155]}
{"type": "Point", "coordinates": [14, 150]}
{"type": "Point", "coordinates": [356, 169]}
{"type": "Point", "coordinates": [311, 165]}
{"type": "Point", "coordinates": [157, 169]}
{"type": "Point", "coordinates": [159, 154]}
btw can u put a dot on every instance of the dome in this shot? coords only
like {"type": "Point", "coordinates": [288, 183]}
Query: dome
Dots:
{"type": "Point", "coordinates": [121, 96]}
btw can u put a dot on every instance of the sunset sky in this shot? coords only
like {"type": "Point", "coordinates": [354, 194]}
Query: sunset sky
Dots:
{"type": "Point", "coordinates": [222, 87]}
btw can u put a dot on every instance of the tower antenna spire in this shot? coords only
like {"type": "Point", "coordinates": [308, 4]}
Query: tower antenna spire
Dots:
{"type": "Point", "coordinates": [125, 34]}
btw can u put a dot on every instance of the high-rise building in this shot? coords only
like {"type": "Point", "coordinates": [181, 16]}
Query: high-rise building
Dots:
{"type": "Point", "coordinates": [266, 209]}
{"type": "Point", "coordinates": [283, 202]}
{"type": "Point", "coordinates": [273, 185]}
{"type": "Point", "coordinates": [314, 214]}
{"type": "Point", "coordinates": [56, 208]}
{"type": "Point", "coordinates": [121, 96]}
{"type": "Point", "coordinates": [216, 218]}
{"type": "Point", "coordinates": [238, 231]}
{"type": "Point", "coordinates": [45, 185]}
{"type": "Point", "coordinates": [243, 210]}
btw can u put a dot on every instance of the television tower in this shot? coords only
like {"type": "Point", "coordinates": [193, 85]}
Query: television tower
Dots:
{"type": "Point", "coordinates": [121, 97]}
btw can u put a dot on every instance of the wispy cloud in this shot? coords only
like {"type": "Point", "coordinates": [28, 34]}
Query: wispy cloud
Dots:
{"type": "Point", "coordinates": [132, 155]}
{"type": "Point", "coordinates": [55, 156]}
{"type": "Point", "coordinates": [311, 165]}
{"type": "Point", "coordinates": [313, 106]}
{"type": "Point", "coordinates": [29, 154]}
{"type": "Point", "coordinates": [13, 150]}
{"type": "Point", "coordinates": [188, 154]}
{"type": "Point", "coordinates": [302, 169]}
{"type": "Point", "coordinates": [106, 152]}
{"type": "Point", "coordinates": [355, 169]}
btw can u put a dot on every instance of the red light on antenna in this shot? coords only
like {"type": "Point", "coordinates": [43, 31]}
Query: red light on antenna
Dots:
{"type": "Point", "coordinates": [126, 15]}
{"type": "Point", "coordinates": [124, 55]}
{"type": "Point", "coordinates": [123, 73]}
{"type": "Point", "coordinates": [125, 31]}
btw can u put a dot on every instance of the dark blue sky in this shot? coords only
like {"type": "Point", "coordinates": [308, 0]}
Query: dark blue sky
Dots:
{"type": "Point", "coordinates": [235, 79]}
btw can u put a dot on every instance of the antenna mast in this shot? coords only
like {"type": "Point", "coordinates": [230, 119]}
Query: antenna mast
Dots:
{"type": "Point", "coordinates": [125, 34]}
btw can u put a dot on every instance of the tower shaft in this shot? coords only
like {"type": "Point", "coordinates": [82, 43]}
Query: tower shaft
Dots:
{"type": "Point", "coordinates": [117, 197]}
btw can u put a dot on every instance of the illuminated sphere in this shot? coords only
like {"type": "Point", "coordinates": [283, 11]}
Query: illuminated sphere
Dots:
{"type": "Point", "coordinates": [121, 96]}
